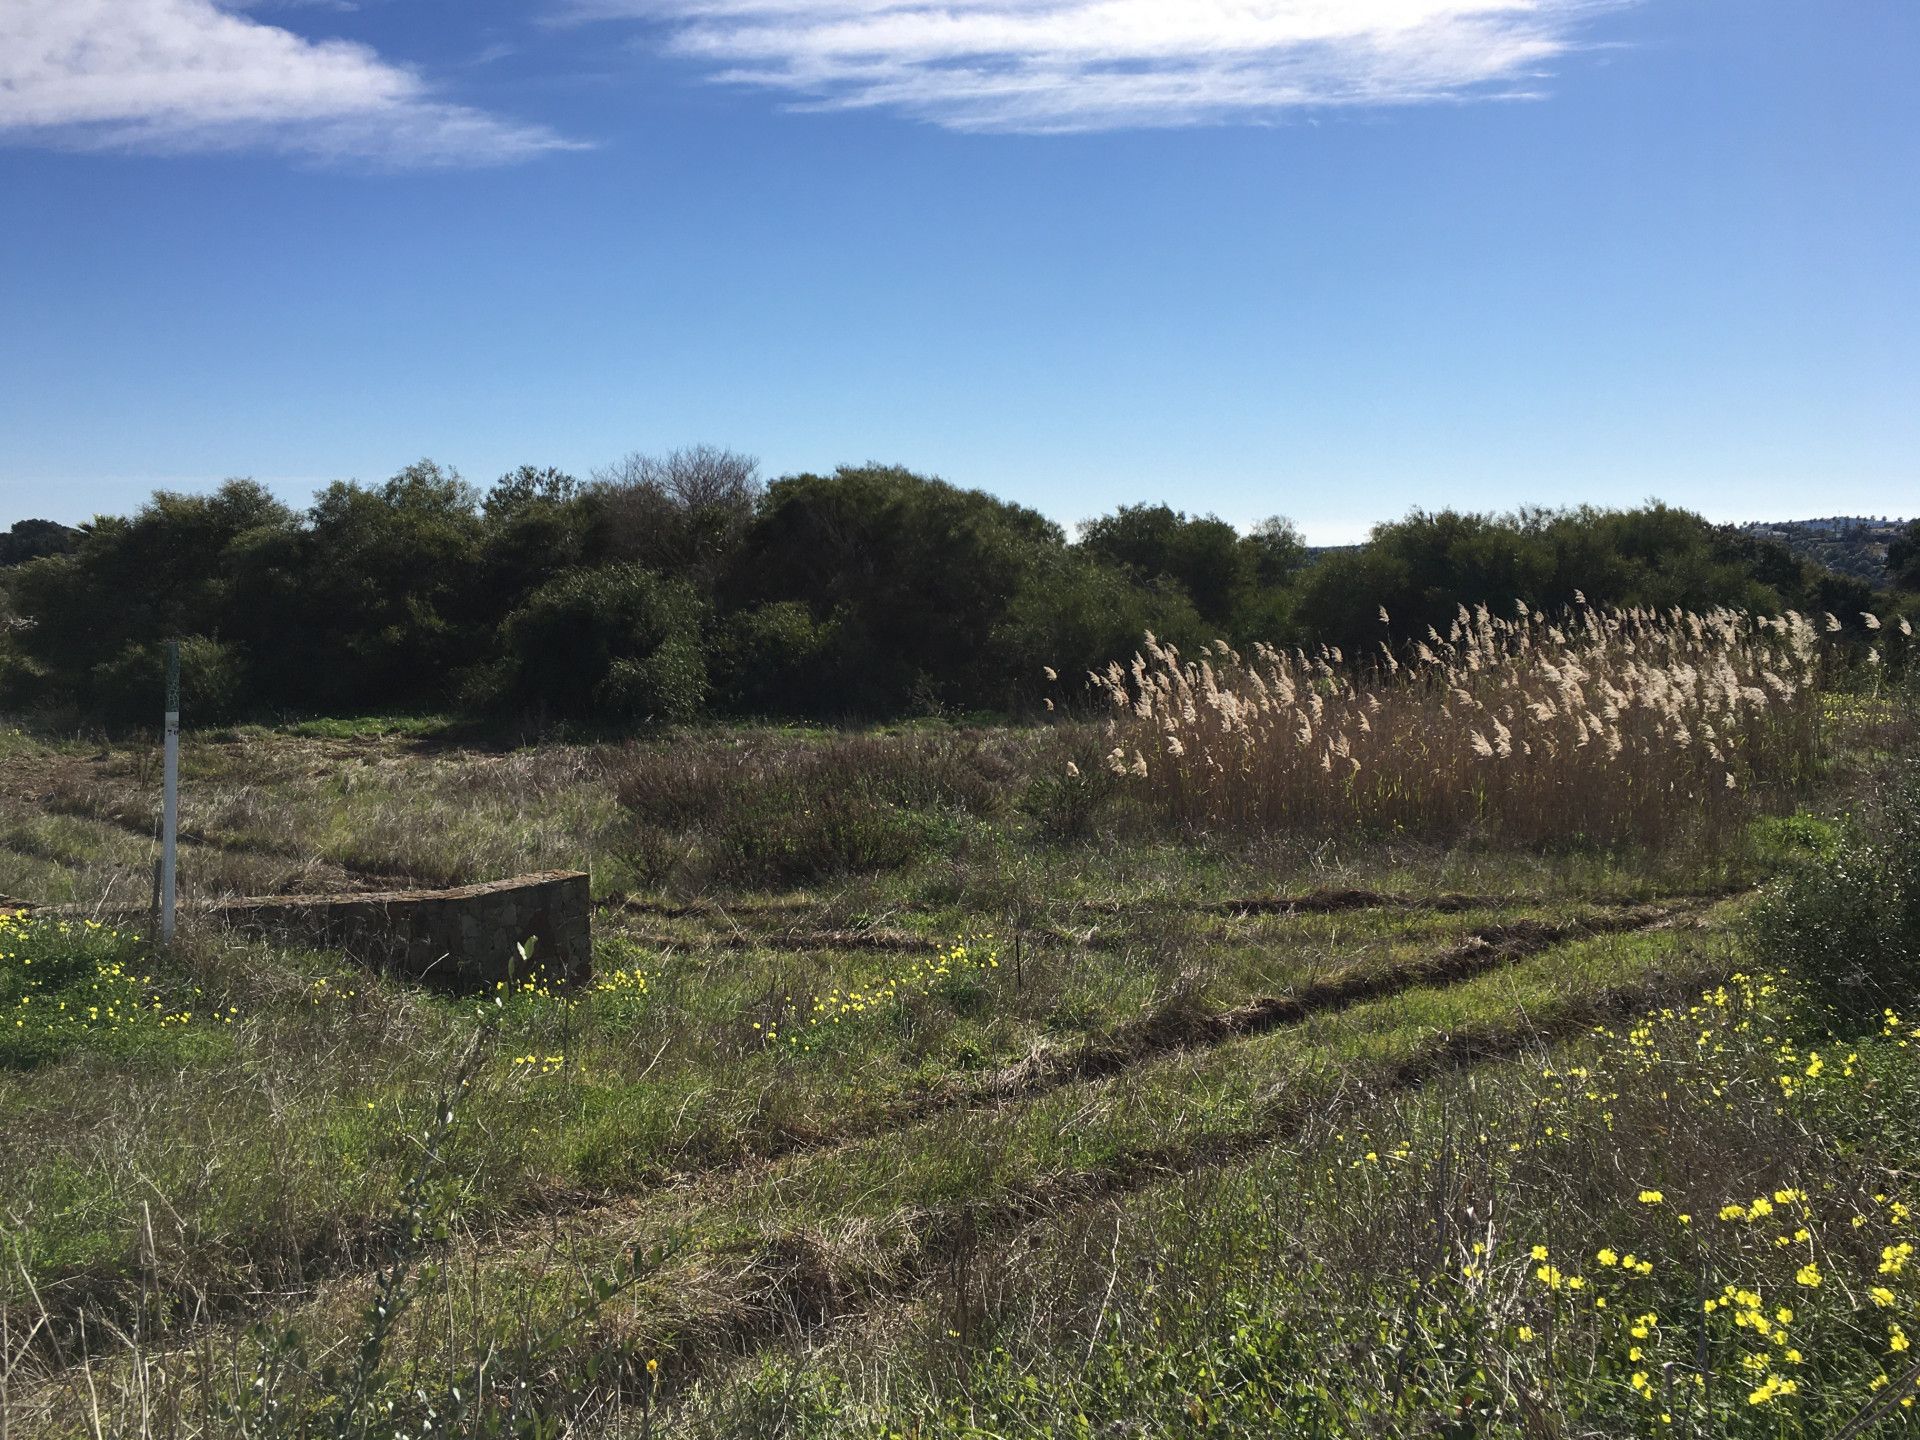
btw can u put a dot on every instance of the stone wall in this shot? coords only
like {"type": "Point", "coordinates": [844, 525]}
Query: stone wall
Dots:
{"type": "Point", "coordinates": [460, 939]}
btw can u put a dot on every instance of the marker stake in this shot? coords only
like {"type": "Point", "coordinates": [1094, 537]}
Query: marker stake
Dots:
{"type": "Point", "coordinates": [170, 812]}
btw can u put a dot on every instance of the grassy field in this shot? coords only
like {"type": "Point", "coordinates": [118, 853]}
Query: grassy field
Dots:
{"type": "Point", "coordinates": [961, 1082]}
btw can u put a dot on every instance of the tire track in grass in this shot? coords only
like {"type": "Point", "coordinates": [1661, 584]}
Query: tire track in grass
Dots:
{"type": "Point", "coordinates": [1175, 1026]}
{"type": "Point", "coordinates": [1452, 1053]}
{"type": "Point", "coordinates": [795, 1283]}
{"type": "Point", "coordinates": [1325, 901]}
{"type": "Point", "coordinates": [1182, 1023]}
{"type": "Point", "coordinates": [93, 1312]}
{"type": "Point", "coordinates": [802, 1296]}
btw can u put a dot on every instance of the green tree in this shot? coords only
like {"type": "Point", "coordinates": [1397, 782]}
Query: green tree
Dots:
{"type": "Point", "coordinates": [1204, 555]}
{"type": "Point", "coordinates": [31, 539]}
{"type": "Point", "coordinates": [913, 576]}
{"type": "Point", "coordinates": [529, 486]}
{"type": "Point", "coordinates": [1423, 568]}
{"type": "Point", "coordinates": [537, 525]}
{"type": "Point", "coordinates": [129, 583]}
{"type": "Point", "coordinates": [1420, 570]}
{"type": "Point", "coordinates": [1076, 614]}
{"type": "Point", "coordinates": [1903, 559]}
{"type": "Point", "coordinates": [392, 583]}
{"type": "Point", "coordinates": [617, 643]}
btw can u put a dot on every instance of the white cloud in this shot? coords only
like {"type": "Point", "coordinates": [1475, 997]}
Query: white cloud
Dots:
{"type": "Point", "coordinates": [188, 74]}
{"type": "Point", "coordinates": [1063, 65]}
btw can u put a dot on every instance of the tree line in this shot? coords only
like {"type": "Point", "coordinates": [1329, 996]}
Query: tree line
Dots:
{"type": "Point", "coordinates": [666, 589]}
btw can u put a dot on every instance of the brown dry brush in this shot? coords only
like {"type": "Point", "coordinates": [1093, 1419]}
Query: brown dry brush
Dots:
{"type": "Point", "coordinates": [766, 810]}
{"type": "Point", "coordinates": [1596, 726]}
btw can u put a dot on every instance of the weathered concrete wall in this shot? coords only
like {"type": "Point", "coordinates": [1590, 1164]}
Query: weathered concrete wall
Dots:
{"type": "Point", "coordinates": [460, 939]}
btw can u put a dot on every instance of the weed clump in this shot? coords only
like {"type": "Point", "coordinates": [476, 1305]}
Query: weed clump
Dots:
{"type": "Point", "coordinates": [1846, 919]}
{"type": "Point", "coordinates": [791, 812]}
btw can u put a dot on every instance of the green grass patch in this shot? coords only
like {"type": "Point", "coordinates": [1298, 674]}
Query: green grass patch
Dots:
{"type": "Point", "coordinates": [77, 985]}
{"type": "Point", "coordinates": [1698, 1223]}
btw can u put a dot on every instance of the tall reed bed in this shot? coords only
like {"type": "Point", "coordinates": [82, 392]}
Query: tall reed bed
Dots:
{"type": "Point", "coordinates": [1593, 725]}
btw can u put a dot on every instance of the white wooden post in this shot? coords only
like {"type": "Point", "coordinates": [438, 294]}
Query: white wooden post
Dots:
{"type": "Point", "coordinates": [170, 812]}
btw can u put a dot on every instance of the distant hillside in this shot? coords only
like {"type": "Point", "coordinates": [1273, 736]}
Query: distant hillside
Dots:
{"type": "Point", "coordinates": [1851, 544]}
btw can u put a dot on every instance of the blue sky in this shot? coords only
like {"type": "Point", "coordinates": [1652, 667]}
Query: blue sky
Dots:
{"type": "Point", "coordinates": [1331, 259]}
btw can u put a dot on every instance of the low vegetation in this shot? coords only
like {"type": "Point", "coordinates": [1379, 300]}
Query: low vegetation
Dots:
{"type": "Point", "coordinates": [1440, 1046]}
{"type": "Point", "coordinates": [76, 985]}
{"type": "Point", "coordinates": [1849, 925]}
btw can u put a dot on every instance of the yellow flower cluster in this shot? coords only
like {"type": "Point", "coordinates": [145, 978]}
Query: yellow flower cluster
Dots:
{"type": "Point", "coordinates": [1741, 1049]}
{"type": "Point", "coordinates": [1772, 1386]}
{"type": "Point", "coordinates": [1762, 1207]}
{"type": "Point", "coordinates": [1631, 1264]}
{"type": "Point", "coordinates": [537, 998]}
{"type": "Point", "coordinates": [528, 987]}
{"type": "Point", "coordinates": [65, 983]}
{"type": "Point", "coordinates": [324, 989]}
{"type": "Point", "coordinates": [806, 1028]}
{"type": "Point", "coordinates": [629, 981]}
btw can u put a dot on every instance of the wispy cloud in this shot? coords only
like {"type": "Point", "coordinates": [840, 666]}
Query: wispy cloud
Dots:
{"type": "Point", "coordinates": [175, 75]}
{"type": "Point", "coordinates": [1064, 65]}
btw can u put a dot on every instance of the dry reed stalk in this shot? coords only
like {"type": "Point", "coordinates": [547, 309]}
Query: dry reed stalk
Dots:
{"type": "Point", "coordinates": [1605, 725]}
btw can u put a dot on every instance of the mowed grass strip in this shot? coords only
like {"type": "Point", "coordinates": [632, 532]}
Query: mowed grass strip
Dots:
{"type": "Point", "coordinates": [803, 1240]}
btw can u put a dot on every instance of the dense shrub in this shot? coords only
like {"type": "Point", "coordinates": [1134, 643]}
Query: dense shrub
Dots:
{"type": "Point", "coordinates": [619, 641]}
{"type": "Point", "coordinates": [131, 687]}
{"type": "Point", "coordinates": [1903, 559]}
{"type": "Point", "coordinates": [1423, 568]}
{"type": "Point", "coordinates": [181, 565]}
{"type": "Point", "coordinates": [1847, 919]}
{"type": "Point", "coordinates": [1070, 804]}
{"type": "Point", "coordinates": [786, 837]}
{"type": "Point", "coordinates": [914, 576]}
{"type": "Point", "coordinates": [771, 660]}
{"type": "Point", "coordinates": [1077, 615]}
{"type": "Point", "coordinates": [786, 810]}
{"type": "Point", "coordinates": [1205, 556]}
{"type": "Point", "coordinates": [22, 683]}
{"type": "Point", "coordinates": [31, 539]}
